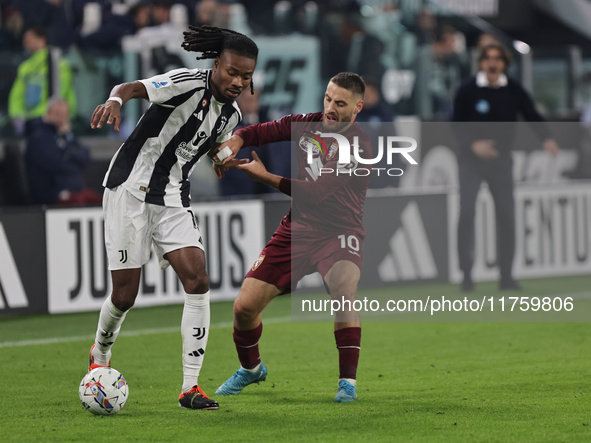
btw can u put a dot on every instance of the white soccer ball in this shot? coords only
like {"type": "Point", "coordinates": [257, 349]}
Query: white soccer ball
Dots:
{"type": "Point", "coordinates": [103, 391]}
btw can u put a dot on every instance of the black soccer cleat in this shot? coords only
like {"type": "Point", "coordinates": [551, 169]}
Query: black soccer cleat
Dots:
{"type": "Point", "coordinates": [509, 284]}
{"type": "Point", "coordinates": [195, 398]}
{"type": "Point", "coordinates": [467, 285]}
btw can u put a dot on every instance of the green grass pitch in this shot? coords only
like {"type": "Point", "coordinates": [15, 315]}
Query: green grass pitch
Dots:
{"type": "Point", "coordinates": [419, 381]}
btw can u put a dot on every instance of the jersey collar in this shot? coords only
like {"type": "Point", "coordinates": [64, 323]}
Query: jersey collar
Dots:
{"type": "Point", "coordinates": [482, 81]}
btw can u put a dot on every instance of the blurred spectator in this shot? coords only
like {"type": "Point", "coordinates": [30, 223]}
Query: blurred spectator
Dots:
{"type": "Point", "coordinates": [60, 23]}
{"type": "Point", "coordinates": [583, 105]}
{"type": "Point", "coordinates": [58, 17]}
{"type": "Point", "coordinates": [190, 6]}
{"type": "Point", "coordinates": [425, 27]}
{"type": "Point", "coordinates": [11, 28]}
{"type": "Point", "coordinates": [115, 27]}
{"type": "Point", "coordinates": [40, 76]}
{"type": "Point", "coordinates": [260, 14]}
{"type": "Point", "coordinates": [55, 160]}
{"type": "Point", "coordinates": [374, 107]}
{"type": "Point", "coordinates": [205, 12]}
{"type": "Point", "coordinates": [384, 22]}
{"type": "Point", "coordinates": [377, 120]}
{"type": "Point", "coordinates": [486, 39]}
{"type": "Point", "coordinates": [276, 156]}
{"type": "Point", "coordinates": [447, 71]}
{"type": "Point", "coordinates": [161, 12]}
{"type": "Point", "coordinates": [213, 13]}
{"type": "Point", "coordinates": [484, 154]}
{"type": "Point", "coordinates": [346, 46]}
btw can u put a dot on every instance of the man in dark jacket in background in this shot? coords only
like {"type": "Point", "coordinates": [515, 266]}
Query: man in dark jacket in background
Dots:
{"type": "Point", "coordinates": [55, 160]}
{"type": "Point", "coordinates": [491, 96]}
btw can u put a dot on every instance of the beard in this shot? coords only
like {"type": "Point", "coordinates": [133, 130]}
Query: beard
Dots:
{"type": "Point", "coordinates": [338, 125]}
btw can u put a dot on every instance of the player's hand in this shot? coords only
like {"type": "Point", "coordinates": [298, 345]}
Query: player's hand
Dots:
{"type": "Point", "coordinates": [485, 149]}
{"type": "Point", "coordinates": [109, 112]}
{"type": "Point", "coordinates": [255, 169]}
{"type": "Point", "coordinates": [220, 170]}
{"type": "Point", "coordinates": [551, 146]}
{"type": "Point", "coordinates": [234, 144]}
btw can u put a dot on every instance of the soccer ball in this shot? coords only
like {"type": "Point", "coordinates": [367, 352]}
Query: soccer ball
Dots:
{"type": "Point", "coordinates": [103, 391]}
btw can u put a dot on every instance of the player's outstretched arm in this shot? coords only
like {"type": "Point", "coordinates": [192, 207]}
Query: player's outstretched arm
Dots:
{"type": "Point", "coordinates": [110, 111]}
{"type": "Point", "coordinates": [257, 171]}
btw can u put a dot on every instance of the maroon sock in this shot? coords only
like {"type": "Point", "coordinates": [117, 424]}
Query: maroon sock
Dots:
{"type": "Point", "coordinates": [348, 343]}
{"type": "Point", "coordinates": [247, 345]}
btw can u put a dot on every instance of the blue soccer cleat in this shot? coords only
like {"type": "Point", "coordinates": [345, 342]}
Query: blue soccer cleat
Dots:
{"type": "Point", "coordinates": [241, 379]}
{"type": "Point", "coordinates": [347, 392]}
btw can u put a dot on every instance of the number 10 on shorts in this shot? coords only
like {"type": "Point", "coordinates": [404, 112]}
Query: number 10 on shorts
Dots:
{"type": "Point", "coordinates": [350, 242]}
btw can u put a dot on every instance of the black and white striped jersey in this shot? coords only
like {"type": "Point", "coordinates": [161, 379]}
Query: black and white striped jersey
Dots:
{"type": "Point", "coordinates": [184, 121]}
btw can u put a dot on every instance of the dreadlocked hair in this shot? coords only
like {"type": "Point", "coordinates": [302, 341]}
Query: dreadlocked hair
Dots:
{"type": "Point", "coordinates": [211, 41]}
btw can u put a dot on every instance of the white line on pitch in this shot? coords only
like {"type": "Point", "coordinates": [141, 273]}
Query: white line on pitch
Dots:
{"type": "Point", "coordinates": [227, 324]}
{"type": "Point", "coordinates": [139, 332]}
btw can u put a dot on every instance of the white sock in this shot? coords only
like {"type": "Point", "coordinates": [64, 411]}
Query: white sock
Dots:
{"type": "Point", "coordinates": [109, 324]}
{"type": "Point", "coordinates": [350, 380]}
{"type": "Point", "coordinates": [194, 332]}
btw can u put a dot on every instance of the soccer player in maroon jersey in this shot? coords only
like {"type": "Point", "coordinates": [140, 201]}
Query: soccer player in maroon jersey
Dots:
{"type": "Point", "coordinates": [322, 232]}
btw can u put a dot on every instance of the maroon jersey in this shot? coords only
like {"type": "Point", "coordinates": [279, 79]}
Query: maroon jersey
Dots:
{"type": "Point", "coordinates": [322, 200]}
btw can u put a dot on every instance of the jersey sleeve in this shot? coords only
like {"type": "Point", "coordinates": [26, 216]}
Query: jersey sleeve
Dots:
{"type": "Point", "coordinates": [227, 132]}
{"type": "Point", "coordinates": [531, 114]}
{"type": "Point", "coordinates": [265, 133]}
{"type": "Point", "coordinates": [526, 105]}
{"type": "Point", "coordinates": [164, 87]}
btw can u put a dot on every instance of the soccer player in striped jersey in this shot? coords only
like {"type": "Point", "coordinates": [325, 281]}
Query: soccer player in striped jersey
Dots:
{"type": "Point", "coordinates": [327, 209]}
{"type": "Point", "coordinates": [147, 195]}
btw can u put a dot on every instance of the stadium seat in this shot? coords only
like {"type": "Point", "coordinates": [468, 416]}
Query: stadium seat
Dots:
{"type": "Point", "coordinates": [179, 16]}
{"type": "Point", "coordinates": [119, 8]}
{"type": "Point", "coordinates": [92, 18]}
{"type": "Point", "coordinates": [282, 17]}
{"type": "Point", "coordinates": [310, 17]}
{"type": "Point", "coordinates": [239, 19]}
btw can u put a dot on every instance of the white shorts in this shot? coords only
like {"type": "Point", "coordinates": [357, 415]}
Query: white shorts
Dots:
{"type": "Point", "coordinates": [132, 226]}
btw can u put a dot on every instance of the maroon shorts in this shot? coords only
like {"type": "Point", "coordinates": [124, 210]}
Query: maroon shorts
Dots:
{"type": "Point", "coordinates": [284, 262]}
